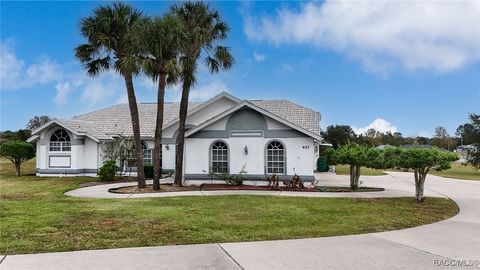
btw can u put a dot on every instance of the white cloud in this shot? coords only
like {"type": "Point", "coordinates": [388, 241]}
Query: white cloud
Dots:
{"type": "Point", "coordinates": [64, 89]}
{"type": "Point", "coordinates": [102, 88]}
{"type": "Point", "coordinates": [73, 86]}
{"type": "Point", "coordinates": [44, 71]}
{"type": "Point", "coordinates": [259, 57]}
{"type": "Point", "coordinates": [14, 74]}
{"type": "Point", "coordinates": [286, 68]}
{"type": "Point", "coordinates": [122, 99]}
{"type": "Point", "coordinates": [10, 68]}
{"type": "Point", "coordinates": [208, 91]}
{"type": "Point", "coordinates": [423, 133]}
{"type": "Point", "coordinates": [415, 35]}
{"type": "Point", "coordinates": [200, 93]}
{"type": "Point", "coordinates": [147, 83]}
{"type": "Point", "coordinates": [378, 124]}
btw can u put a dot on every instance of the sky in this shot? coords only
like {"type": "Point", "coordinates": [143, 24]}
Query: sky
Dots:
{"type": "Point", "coordinates": [406, 66]}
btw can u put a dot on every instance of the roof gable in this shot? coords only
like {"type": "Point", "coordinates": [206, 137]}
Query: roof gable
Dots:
{"type": "Point", "coordinates": [254, 107]}
{"type": "Point", "coordinates": [205, 105]}
{"type": "Point", "coordinates": [105, 123]}
{"type": "Point", "coordinates": [79, 128]}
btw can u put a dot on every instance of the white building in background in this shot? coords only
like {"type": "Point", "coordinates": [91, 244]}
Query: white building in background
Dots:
{"type": "Point", "coordinates": [223, 134]}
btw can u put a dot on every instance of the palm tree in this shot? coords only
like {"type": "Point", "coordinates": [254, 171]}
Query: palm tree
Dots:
{"type": "Point", "coordinates": [204, 28]}
{"type": "Point", "coordinates": [109, 35]}
{"type": "Point", "coordinates": [159, 41]}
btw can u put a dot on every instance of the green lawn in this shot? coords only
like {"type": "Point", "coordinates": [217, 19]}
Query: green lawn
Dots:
{"type": "Point", "coordinates": [460, 171]}
{"type": "Point", "coordinates": [345, 170]}
{"type": "Point", "coordinates": [35, 217]}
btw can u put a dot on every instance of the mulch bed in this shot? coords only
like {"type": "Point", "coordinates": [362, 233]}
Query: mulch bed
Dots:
{"type": "Point", "coordinates": [173, 188]}
{"type": "Point", "coordinates": [249, 187]}
{"type": "Point", "coordinates": [206, 186]}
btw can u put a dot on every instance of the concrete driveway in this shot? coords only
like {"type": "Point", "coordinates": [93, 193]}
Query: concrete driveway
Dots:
{"type": "Point", "coordinates": [392, 189]}
{"type": "Point", "coordinates": [449, 244]}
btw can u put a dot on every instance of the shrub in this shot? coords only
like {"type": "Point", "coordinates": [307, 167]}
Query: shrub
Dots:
{"type": "Point", "coordinates": [148, 170]}
{"type": "Point", "coordinates": [107, 171]}
{"type": "Point", "coordinates": [233, 179]}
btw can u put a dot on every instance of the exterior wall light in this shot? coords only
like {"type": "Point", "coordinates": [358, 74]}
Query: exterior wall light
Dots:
{"type": "Point", "coordinates": [245, 149]}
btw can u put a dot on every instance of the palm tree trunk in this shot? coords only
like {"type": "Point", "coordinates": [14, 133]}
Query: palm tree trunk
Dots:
{"type": "Point", "coordinates": [132, 103]}
{"type": "Point", "coordinates": [157, 151]}
{"type": "Point", "coordinates": [181, 134]}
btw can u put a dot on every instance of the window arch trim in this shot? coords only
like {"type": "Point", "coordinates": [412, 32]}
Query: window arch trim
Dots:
{"type": "Point", "coordinates": [147, 153]}
{"type": "Point", "coordinates": [272, 159]}
{"type": "Point", "coordinates": [220, 158]}
{"type": "Point", "coordinates": [60, 140]}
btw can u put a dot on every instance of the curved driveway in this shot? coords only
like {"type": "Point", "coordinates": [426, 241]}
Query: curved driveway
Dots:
{"type": "Point", "coordinates": [455, 241]}
{"type": "Point", "coordinates": [393, 188]}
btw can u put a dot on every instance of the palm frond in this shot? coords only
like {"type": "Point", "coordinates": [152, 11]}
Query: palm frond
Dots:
{"type": "Point", "coordinates": [224, 57]}
{"type": "Point", "coordinates": [109, 39]}
{"type": "Point", "coordinates": [204, 28]}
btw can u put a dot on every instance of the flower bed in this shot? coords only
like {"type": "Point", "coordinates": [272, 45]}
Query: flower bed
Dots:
{"type": "Point", "coordinates": [173, 188]}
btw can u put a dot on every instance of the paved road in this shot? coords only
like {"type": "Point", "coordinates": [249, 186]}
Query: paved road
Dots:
{"type": "Point", "coordinates": [453, 241]}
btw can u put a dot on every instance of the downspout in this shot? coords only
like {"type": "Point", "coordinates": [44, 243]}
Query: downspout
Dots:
{"type": "Point", "coordinates": [184, 160]}
{"type": "Point", "coordinates": [98, 155]}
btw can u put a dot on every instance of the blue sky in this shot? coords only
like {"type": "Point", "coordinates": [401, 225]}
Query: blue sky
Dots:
{"type": "Point", "coordinates": [400, 66]}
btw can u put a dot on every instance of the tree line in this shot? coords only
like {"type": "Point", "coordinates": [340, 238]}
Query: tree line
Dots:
{"type": "Point", "coordinates": [466, 134]}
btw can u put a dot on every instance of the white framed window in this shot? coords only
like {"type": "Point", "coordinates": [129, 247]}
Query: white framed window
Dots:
{"type": "Point", "coordinates": [60, 141]}
{"type": "Point", "coordinates": [147, 154]}
{"type": "Point", "coordinates": [219, 157]}
{"type": "Point", "coordinates": [275, 158]}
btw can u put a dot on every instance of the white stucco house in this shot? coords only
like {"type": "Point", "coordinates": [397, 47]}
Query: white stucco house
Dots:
{"type": "Point", "coordinates": [223, 134]}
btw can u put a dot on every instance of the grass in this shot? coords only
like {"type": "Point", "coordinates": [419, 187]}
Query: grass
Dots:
{"type": "Point", "coordinates": [35, 216]}
{"type": "Point", "coordinates": [459, 171]}
{"type": "Point", "coordinates": [345, 170]}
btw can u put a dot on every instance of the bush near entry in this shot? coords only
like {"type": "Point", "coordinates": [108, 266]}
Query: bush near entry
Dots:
{"type": "Point", "coordinates": [107, 171]}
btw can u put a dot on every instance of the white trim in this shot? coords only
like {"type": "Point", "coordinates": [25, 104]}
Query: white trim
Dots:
{"type": "Point", "coordinates": [203, 105]}
{"type": "Point", "coordinates": [79, 134]}
{"type": "Point", "coordinates": [258, 109]}
{"type": "Point", "coordinates": [33, 138]}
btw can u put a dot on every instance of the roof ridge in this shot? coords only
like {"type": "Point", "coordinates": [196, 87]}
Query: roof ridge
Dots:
{"type": "Point", "coordinates": [291, 102]}
{"type": "Point", "coordinates": [98, 110]}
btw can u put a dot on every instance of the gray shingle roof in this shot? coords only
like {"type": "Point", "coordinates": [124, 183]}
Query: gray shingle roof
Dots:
{"type": "Point", "coordinates": [294, 113]}
{"type": "Point", "coordinates": [116, 119]}
{"type": "Point", "coordinates": [83, 127]}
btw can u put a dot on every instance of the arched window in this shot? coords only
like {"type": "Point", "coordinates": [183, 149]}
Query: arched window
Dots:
{"type": "Point", "coordinates": [275, 158]}
{"type": "Point", "coordinates": [60, 141]}
{"type": "Point", "coordinates": [219, 158]}
{"type": "Point", "coordinates": [147, 154]}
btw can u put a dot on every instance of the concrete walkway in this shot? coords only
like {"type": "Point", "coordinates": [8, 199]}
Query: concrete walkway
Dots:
{"type": "Point", "coordinates": [455, 241]}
